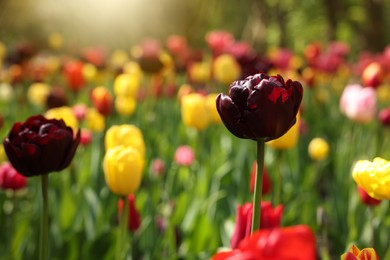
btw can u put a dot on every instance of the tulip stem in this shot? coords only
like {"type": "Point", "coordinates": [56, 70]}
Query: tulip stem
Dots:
{"type": "Point", "coordinates": [122, 242]}
{"type": "Point", "coordinates": [258, 186]}
{"type": "Point", "coordinates": [44, 248]}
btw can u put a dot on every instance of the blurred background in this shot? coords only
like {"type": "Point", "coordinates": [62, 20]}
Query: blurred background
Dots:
{"type": "Point", "coordinates": [364, 24]}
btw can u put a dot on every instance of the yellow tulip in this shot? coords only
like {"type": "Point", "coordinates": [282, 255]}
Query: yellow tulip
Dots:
{"type": "Point", "coordinates": [133, 68]}
{"type": "Point", "coordinates": [212, 108]}
{"type": "Point", "coordinates": [289, 139]}
{"type": "Point", "coordinates": [125, 105]}
{"type": "Point", "coordinates": [6, 92]}
{"type": "Point", "coordinates": [119, 58]}
{"type": "Point", "coordinates": [127, 135]}
{"type": "Point", "coordinates": [318, 149]}
{"type": "Point", "coordinates": [226, 69]}
{"type": "Point", "coordinates": [37, 93]}
{"type": "Point", "coordinates": [200, 72]}
{"type": "Point", "coordinates": [194, 111]}
{"type": "Point", "coordinates": [55, 40]}
{"type": "Point", "coordinates": [95, 121]}
{"type": "Point", "coordinates": [373, 177]}
{"type": "Point", "coordinates": [89, 71]}
{"type": "Point", "coordinates": [123, 166]}
{"type": "Point", "coordinates": [3, 156]}
{"type": "Point", "coordinates": [126, 85]}
{"type": "Point", "coordinates": [65, 113]}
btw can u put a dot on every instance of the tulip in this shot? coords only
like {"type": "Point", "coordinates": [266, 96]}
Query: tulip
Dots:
{"type": "Point", "coordinates": [10, 178]}
{"type": "Point", "coordinates": [89, 71]}
{"type": "Point", "coordinates": [65, 113]}
{"type": "Point", "coordinates": [219, 41]}
{"type": "Point", "coordinates": [194, 111]}
{"type": "Point", "coordinates": [373, 177]}
{"type": "Point", "coordinates": [73, 73]}
{"type": "Point", "coordinates": [127, 135]}
{"type": "Point", "coordinates": [184, 90]}
{"type": "Point", "coordinates": [226, 69]}
{"type": "Point", "coordinates": [6, 92]}
{"type": "Point", "coordinates": [126, 85]}
{"type": "Point", "coordinates": [367, 199]}
{"type": "Point", "coordinates": [200, 72]}
{"type": "Point", "coordinates": [270, 218]}
{"type": "Point", "coordinates": [56, 98]}
{"type": "Point", "coordinates": [55, 40]}
{"type": "Point", "coordinates": [37, 93]}
{"type": "Point", "coordinates": [118, 58]}
{"type": "Point", "coordinates": [157, 167]}
{"type": "Point", "coordinates": [86, 137]}
{"type": "Point", "coordinates": [40, 146]}
{"type": "Point", "coordinates": [134, 220]}
{"type": "Point", "coordinates": [318, 149]}
{"type": "Point", "coordinates": [80, 111]}
{"type": "Point", "coordinates": [94, 120]}
{"type": "Point", "coordinates": [125, 105]}
{"type": "Point", "coordinates": [266, 180]}
{"type": "Point", "coordinates": [358, 103]}
{"type": "Point", "coordinates": [102, 100]}
{"type": "Point", "coordinates": [184, 155]}
{"type": "Point", "coordinates": [384, 117]}
{"type": "Point", "coordinates": [289, 139]}
{"type": "Point", "coordinates": [372, 75]}
{"type": "Point", "coordinates": [356, 254]}
{"type": "Point", "coordinates": [260, 106]}
{"type": "Point", "coordinates": [213, 112]}
{"type": "Point", "coordinates": [295, 242]}
{"type": "Point", "coordinates": [123, 166]}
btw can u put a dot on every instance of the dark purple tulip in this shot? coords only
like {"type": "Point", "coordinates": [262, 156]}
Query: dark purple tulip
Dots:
{"type": "Point", "coordinates": [260, 106]}
{"type": "Point", "coordinates": [40, 146]}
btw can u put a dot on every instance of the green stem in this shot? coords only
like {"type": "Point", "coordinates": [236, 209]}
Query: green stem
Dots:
{"type": "Point", "coordinates": [258, 186]}
{"type": "Point", "coordinates": [278, 179]}
{"type": "Point", "coordinates": [44, 242]}
{"type": "Point", "coordinates": [122, 241]}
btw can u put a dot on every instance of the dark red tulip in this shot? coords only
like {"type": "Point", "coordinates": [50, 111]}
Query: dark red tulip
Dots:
{"type": "Point", "coordinates": [295, 242]}
{"type": "Point", "coordinates": [384, 116]}
{"type": "Point", "coordinates": [260, 106]}
{"type": "Point", "coordinates": [56, 98]}
{"type": "Point", "coordinates": [367, 199]}
{"type": "Point", "coordinates": [10, 178]}
{"type": "Point", "coordinates": [266, 188]}
{"type": "Point", "coordinates": [40, 146]}
{"type": "Point", "coordinates": [134, 220]}
{"type": "Point", "coordinates": [270, 218]}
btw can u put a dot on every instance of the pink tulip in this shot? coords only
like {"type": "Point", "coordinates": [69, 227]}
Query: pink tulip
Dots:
{"type": "Point", "coordinates": [184, 155]}
{"type": "Point", "coordinates": [358, 103]}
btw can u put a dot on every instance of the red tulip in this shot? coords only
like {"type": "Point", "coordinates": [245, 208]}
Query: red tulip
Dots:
{"type": "Point", "coordinates": [266, 180]}
{"type": "Point", "coordinates": [10, 178]}
{"type": "Point", "coordinates": [384, 116]}
{"type": "Point", "coordinates": [102, 100]}
{"type": "Point", "coordinates": [372, 75]}
{"type": "Point", "coordinates": [356, 254]}
{"type": "Point", "coordinates": [73, 73]}
{"type": "Point", "coordinates": [270, 218]}
{"type": "Point", "coordinates": [86, 137]}
{"type": "Point", "coordinates": [134, 220]}
{"type": "Point", "coordinates": [295, 242]}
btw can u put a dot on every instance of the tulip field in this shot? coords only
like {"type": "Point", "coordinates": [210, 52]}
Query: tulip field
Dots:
{"type": "Point", "coordinates": [150, 152]}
